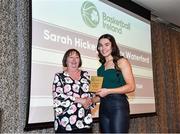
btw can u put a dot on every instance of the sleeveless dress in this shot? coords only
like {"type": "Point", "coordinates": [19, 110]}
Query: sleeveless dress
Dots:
{"type": "Point", "coordinates": [114, 108]}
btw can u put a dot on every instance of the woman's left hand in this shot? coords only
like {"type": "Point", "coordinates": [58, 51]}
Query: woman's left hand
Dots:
{"type": "Point", "coordinates": [102, 92]}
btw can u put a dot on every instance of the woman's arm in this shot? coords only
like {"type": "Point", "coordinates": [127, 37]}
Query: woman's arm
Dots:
{"type": "Point", "coordinates": [59, 98]}
{"type": "Point", "coordinates": [126, 70]}
{"type": "Point", "coordinates": [95, 99]}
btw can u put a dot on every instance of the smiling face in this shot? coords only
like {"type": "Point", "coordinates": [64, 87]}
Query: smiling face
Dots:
{"type": "Point", "coordinates": [105, 47]}
{"type": "Point", "coordinates": [73, 60]}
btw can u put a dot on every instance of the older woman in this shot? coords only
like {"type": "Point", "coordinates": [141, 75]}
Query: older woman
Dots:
{"type": "Point", "coordinates": [71, 97]}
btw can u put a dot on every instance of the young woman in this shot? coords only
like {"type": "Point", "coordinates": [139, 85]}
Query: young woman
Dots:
{"type": "Point", "coordinates": [118, 80]}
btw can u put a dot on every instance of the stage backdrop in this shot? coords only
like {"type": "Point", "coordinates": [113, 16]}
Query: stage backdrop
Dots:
{"type": "Point", "coordinates": [58, 25]}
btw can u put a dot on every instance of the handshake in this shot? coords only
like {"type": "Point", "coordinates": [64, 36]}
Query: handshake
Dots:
{"type": "Point", "coordinates": [95, 87]}
{"type": "Point", "coordinates": [86, 102]}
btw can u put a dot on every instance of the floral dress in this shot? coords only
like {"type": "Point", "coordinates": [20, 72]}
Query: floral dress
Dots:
{"type": "Point", "coordinates": [70, 115]}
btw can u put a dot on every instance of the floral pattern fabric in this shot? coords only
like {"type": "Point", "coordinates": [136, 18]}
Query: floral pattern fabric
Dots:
{"type": "Point", "coordinates": [68, 114]}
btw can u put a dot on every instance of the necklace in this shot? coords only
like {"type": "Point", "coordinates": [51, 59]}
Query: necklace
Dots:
{"type": "Point", "coordinates": [109, 60]}
{"type": "Point", "coordinates": [109, 64]}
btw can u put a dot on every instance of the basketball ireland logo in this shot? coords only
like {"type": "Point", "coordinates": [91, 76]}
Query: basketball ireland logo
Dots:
{"type": "Point", "coordinates": [90, 14]}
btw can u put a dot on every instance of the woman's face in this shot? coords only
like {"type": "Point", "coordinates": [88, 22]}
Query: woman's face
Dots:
{"type": "Point", "coordinates": [105, 47]}
{"type": "Point", "coordinates": [73, 60]}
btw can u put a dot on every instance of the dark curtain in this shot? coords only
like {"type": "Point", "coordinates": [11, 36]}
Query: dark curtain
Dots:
{"type": "Point", "coordinates": [166, 72]}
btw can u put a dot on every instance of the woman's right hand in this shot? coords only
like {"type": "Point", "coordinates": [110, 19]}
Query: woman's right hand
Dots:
{"type": "Point", "coordinates": [102, 92]}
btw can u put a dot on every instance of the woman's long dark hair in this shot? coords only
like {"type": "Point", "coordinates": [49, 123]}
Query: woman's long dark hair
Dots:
{"type": "Point", "coordinates": [115, 50]}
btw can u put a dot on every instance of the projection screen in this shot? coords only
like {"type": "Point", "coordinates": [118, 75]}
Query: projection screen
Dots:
{"type": "Point", "coordinates": [58, 25]}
